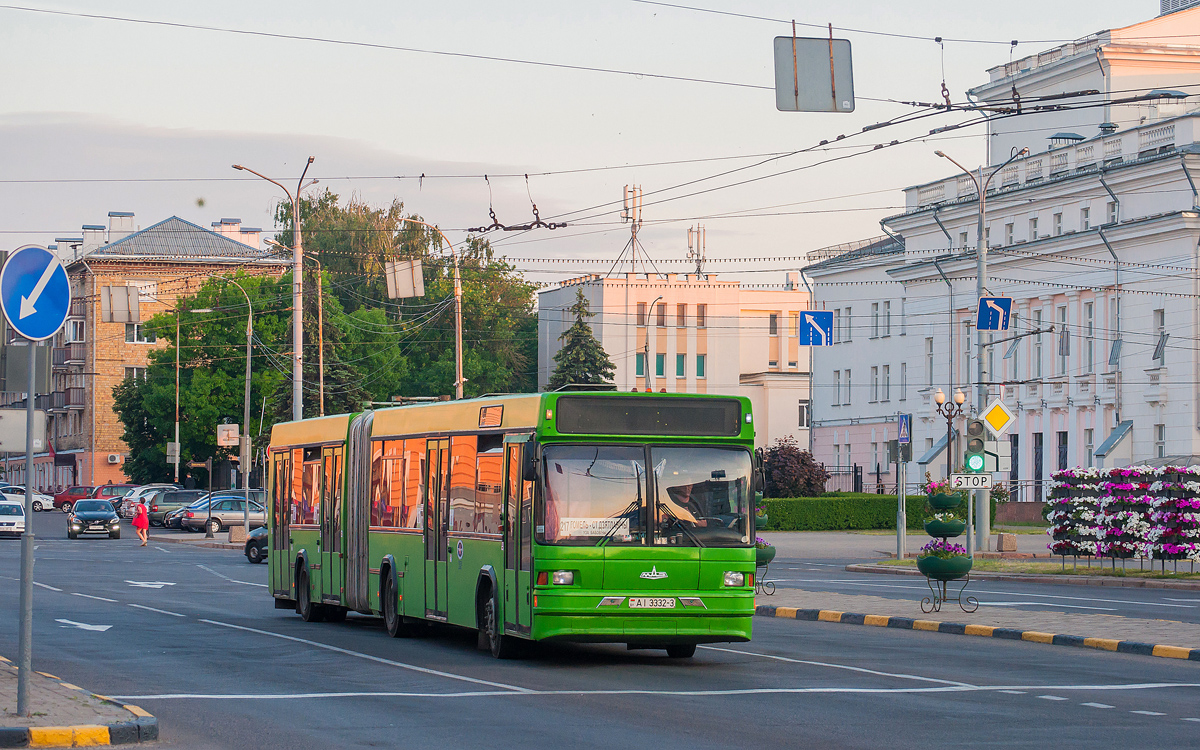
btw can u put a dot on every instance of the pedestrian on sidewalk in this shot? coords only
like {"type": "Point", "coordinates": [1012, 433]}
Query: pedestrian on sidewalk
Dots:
{"type": "Point", "coordinates": [141, 522]}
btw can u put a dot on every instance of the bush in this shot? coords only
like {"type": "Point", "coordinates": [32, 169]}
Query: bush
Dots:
{"type": "Point", "coordinates": [791, 472]}
{"type": "Point", "coordinates": [844, 511]}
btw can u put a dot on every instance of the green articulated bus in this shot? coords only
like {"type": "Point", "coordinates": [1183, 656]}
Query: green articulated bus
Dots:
{"type": "Point", "coordinates": [577, 516]}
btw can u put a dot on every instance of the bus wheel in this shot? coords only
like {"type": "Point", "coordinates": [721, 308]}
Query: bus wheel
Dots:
{"type": "Point", "coordinates": [308, 611]}
{"type": "Point", "coordinates": [392, 619]}
{"type": "Point", "coordinates": [501, 645]}
{"type": "Point", "coordinates": [681, 651]}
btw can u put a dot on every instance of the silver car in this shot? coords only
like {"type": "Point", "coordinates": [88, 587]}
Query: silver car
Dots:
{"type": "Point", "coordinates": [226, 511]}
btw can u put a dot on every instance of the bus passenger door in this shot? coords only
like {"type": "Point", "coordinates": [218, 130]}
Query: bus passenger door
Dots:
{"type": "Point", "coordinates": [437, 518]}
{"type": "Point", "coordinates": [281, 510]}
{"type": "Point", "coordinates": [512, 533]}
{"type": "Point", "coordinates": [332, 584]}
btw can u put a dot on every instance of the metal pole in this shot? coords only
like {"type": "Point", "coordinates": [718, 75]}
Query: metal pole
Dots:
{"type": "Point", "coordinates": [25, 627]}
{"type": "Point", "coordinates": [321, 333]}
{"type": "Point", "coordinates": [177, 451]}
{"type": "Point", "coordinates": [983, 537]}
{"type": "Point", "coordinates": [245, 447]}
{"type": "Point", "coordinates": [901, 498]}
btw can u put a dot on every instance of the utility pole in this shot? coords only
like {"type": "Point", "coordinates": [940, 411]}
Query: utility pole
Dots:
{"type": "Point", "coordinates": [458, 347]}
{"type": "Point", "coordinates": [297, 286]}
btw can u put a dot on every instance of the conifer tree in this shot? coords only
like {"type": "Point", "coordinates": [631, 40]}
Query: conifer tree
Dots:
{"type": "Point", "coordinates": [581, 360]}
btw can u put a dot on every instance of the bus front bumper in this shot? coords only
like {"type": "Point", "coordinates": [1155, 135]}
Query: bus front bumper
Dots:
{"type": "Point", "coordinates": [593, 617]}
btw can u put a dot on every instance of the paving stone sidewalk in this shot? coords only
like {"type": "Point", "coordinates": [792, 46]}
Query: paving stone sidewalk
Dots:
{"type": "Point", "coordinates": [55, 703]}
{"type": "Point", "coordinates": [1167, 632]}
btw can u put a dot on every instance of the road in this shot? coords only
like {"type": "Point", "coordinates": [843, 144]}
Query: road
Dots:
{"type": "Point", "coordinates": [208, 654]}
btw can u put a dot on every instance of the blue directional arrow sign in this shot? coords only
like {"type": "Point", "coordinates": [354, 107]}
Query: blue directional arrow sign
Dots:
{"type": "Point", "coordinates": [816, 328]}
{"type": "Point", "coordinates": [994, 313]}
{"type": "Point", "coordinates": [34, 292]}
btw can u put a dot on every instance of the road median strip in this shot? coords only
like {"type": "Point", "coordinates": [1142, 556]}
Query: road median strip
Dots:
{"type": "Point", "coordinates": [1061, 579]}
{"type": "Point", "coordinates": [986, 631]}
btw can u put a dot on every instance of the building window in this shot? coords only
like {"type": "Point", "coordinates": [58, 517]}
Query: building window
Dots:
{"type": "Point", "coordinates": [701, 316]}
{"type": "Point", "coordinates": [874, 384]}
{"type": "Point", "coordinates": [903, 380]}
{"type": "Point", "coordinates": [680, 365]}
{"type": "Point", "coordinates": [75, 332]}
{"type": "Point", "coordinates": [1008, 233]}
{"type": "Point", "coordinates": [837, 456]}
{"type": "Point", "coordinates": [1085, 219]}
{"type": "Point", "coordinates": [991, 359]}
{"type": "Point", "coordinates": [681, 316]}
{"type": "Point", "coordinates": [639, 365]}
{"type": "Point", "coordinates": [793, 364]}
{"type": "Point", "coordinates": [641, 314]}
{"type": "Point", "coordinates": [962, 240]}
{"type": "Point", "coordinates": [134, 334]}
{"type": "Point", "coordinates": [1112, 212]}
{"type": "Point", "coordinates": [887, 318]}
{"type": "Point", "coordinates": [1058, 224]}
{"type": "Point", "coordinates": [1160, 325]}
{"type": "Point", "coordinates": [1089, 346]}
{"type": "Point", "coordinates": [903, 316]}
{"type": "Point", "coordinates": [987, 236]}
{"type": "Point", "coordinates": [1089, 437]}
{"type": "Point", "coordinates": [837, 387]}
{"type": "Point", "coordinates": [773, 324]}
{"type": "Point", "coordinates": [837, 326]}
{"type": "Point", "coordinates": [929, 362]}
{"type": "Point", "coordinates": [874, 320]}
{"type": "Point", "coordinates": [1064, 341]}
{"type": "Point", "coordinates": [1033, 229]}
{"type": "Point", "coordinates": [1062, 450]}
{"type": "Point", "coordinates": [848, 319]}
{"type": "Point", "coordinates": [846, 402]}
{"type": "Point", "coordinates": [138, 373]}
{"type": "Point", "coordinates": [700, 371]}
{"type": "Point", "coordinates": [1015, 348]}
{"type": "Point", "coordinates": [660, 365]}
{"type": "Point", "coordinates": [1160, 440]}
{"type": "Point", "coordinates": [887, 382]}
{"type": "Point", "coordinates": [662, 316]}
{"type": "Point", "coordinates": [804, 415]}
{"type": "Point", "coordinates": [1037, 345]}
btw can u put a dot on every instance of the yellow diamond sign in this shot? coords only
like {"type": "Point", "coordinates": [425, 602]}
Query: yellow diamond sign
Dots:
{"type": "Point", "coordinates": [998, 417]}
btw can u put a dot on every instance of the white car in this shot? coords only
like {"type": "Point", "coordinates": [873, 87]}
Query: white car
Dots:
{"type": "Point", "coordinates": [142, 494]}
{"type": "Point", "coordinates": [15, 494]}
{"type": "Point", "coordinates": [12, 518]}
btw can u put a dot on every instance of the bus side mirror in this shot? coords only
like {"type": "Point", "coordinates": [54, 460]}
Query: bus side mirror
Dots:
{"type": "Point", "coordinates": [760, 472]}
{"type": "Point", "coordinates": [529, 462]}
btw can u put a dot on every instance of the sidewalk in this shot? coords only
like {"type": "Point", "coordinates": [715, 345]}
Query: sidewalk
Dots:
{"type": "Point", "coordinates": [65, 715]}
{"type": "Point", "coordinates": [861, 545]}
{"type": "Point", "coordinates": [196, 540]}
{"type": "Point", "coordinates": [1068, 628]}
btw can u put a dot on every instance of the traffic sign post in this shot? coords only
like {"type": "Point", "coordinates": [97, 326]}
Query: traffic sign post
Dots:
{"type": "Point", "coordinates": [816, 328]}
{"type": "Point", "coordinates": [35, 296]}
{"type": "Point", "coordinates": [206, 464]}
{"type": "Point", "coordinates": [903, 454]}
{"type": "Point", "coordinates": [993, 313]}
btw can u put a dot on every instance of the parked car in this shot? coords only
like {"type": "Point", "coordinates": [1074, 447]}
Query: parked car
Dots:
{"type": "Point", "coordinates": [12, 518]}
{"type": "Point", "coordinates": [66, 499]}
{"type": "Point", "coordinates": [15, 493]}
{"type": "Point", "coordinates": [114, 493]}
{"type": "Point", "coordinates": [143, 493]}
{"type": "Point", "coordinates": [171, 500]}
{"type": "Point", "coordinates": [256, 545]}
{"type": "Point", "coordinates": [173, 518]}
{"type": "Point", "coordinates": [222, 513]}
{"type": "Point", "coordinates": [91, 516]}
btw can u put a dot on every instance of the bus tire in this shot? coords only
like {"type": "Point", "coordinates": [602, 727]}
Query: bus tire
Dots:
{"type": "Point", "coordinates": [500, 645]}
{"type": "Point", "coordinates": [308, 611]}
{"type": "Point", "coordinates": [681, 651]}
{"type": "Point", "coordinates": [398, 626]}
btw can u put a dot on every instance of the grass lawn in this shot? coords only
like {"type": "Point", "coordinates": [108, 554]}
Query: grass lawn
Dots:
{"type": "Point", "coordinates": [1080, 569]}
{"type": "Point", "coordinates": [1021, 528]}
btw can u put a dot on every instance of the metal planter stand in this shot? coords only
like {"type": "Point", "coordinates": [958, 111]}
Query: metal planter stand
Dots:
{"type": "Point", "coordinates": [939, 590]}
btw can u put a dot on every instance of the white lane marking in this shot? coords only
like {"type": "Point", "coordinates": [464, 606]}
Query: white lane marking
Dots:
{"type": "Point", "coordinates": [632, 691]}
{"type": "Point", "coordinates": [1148, 713]}
{"type": "Point", "coordinates": [149, 584]}
{"type": "Point", "coordinates": [1045, 604]}
{"type": "Point", "coordinates": [1174, 599]}
{"type": "Point", "coordinates": [837, 666]}
{"type": "Point", "coordinates": [35, 583]}
{"type": "Point", "coordinates": [84, 625]}
{"type": "Point", "coordinates": [97, 598]}
{"type": "Point", "coordinates": [1005, 593]}
{"type": "Point", "coordinates": [1189, 718]}
{"type": "Point", "coordinates": [231, 580]}
{"type": "Point", "coordinates": [1052, 698]}
{"type": "Point", "coordinates": [1096, 705]}
{"type": "Point", "coordinates": [1014, 692]}
{"type": "Point", "coordinates": [369, 657]}
{"type": "Point", "coordinates": [160, 549]}
{"type": "Point", "coordinates": [160, 611]}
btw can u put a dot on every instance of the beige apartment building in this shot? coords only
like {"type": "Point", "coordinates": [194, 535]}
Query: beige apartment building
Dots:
{"type": "Point", "coordinates": [689, 333]}
{"type": "Point", "coordinates": [166, 260]}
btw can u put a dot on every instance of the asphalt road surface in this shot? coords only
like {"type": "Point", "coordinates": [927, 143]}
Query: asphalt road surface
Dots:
{"type": "Point", "coordinates": [194, 638]}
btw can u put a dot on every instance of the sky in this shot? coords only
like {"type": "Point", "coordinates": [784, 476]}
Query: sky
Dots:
{"type": "Point", "coordinates": [100, 115]}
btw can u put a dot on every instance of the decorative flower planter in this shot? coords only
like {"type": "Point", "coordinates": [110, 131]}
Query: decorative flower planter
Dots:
{"type": "Point", "coordinates": [944, 568]}
{"type": "Point", "coordinates": [760, 522]}
{"type": "Point", "coordinates": [944, 502]}
{"type": "Point", "coordinates": [763, 556]}
{"type": "Point", "coordinates": [945, 528]}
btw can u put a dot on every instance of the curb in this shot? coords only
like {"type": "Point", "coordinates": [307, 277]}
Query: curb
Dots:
{"type": "Point", "coordinates": [207, 545]}
{"type": "Point", "coordinates": [1111, 581]}
{"type": "Point", "coordinates": [987, 631]}
{"type": "Point", "coordinates": [143, 727]}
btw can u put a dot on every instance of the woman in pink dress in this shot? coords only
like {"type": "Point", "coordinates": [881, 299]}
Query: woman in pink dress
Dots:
{"type": "Point", "coordinates": [141, 522]}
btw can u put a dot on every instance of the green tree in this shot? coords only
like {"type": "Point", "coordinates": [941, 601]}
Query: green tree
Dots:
{"type": "Point", "coordinates": [581, 360]}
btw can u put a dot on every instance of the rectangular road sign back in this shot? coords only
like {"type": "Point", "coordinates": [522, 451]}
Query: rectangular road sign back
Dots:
{"type": "Point", "coordinates": [813, 74]}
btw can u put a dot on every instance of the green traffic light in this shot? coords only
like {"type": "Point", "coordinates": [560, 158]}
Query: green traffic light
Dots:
{"type": "Point", "coordinates": [975, 463]}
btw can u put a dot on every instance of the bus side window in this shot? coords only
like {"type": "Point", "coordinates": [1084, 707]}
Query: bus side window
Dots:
{"type": "Point", "coordinates": [513, 505]}
{"type": "Point", "coordinates": [526, 523]}
{"type": "Point", "coordinates": [462, 483]}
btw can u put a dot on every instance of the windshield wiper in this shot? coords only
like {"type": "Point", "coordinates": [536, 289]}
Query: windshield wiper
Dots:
{"type": "Point", "coordinates": [628, 508]}
{"type": "Point", "coordinates": [679, 523]}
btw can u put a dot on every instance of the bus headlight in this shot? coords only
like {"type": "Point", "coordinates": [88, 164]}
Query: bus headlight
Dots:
{"type": "Point", "coordinates": [733, 578]}
{"type": "Point", "coordinates": [563, 577]}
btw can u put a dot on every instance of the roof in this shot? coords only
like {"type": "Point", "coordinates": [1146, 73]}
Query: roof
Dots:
{"type": "Point", "coordinates": [176, 239]}
{"type": "Point", "coordinates": [883, 246]}
{"type": "Point", "coordinates": [1116, 436]}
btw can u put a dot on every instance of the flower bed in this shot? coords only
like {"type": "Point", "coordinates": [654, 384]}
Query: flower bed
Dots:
{"type": "Point", "coordinates": [1139, 511]}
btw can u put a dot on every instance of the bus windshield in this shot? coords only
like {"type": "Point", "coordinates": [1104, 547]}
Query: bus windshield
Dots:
{"type": "Point", "coordinates": [695, 496]}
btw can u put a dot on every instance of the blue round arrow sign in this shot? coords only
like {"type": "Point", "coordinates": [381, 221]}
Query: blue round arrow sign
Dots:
{"type": "Point", "coordinates": [34, 292]}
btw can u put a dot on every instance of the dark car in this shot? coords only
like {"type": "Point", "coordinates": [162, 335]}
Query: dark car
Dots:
{"type": "Point", "coordinates": [169, 500]}
{"type": "Point", "coordinates": [93, 517]}
{"type": "Point", "coordinates": [66, 499]}
{"type": "Point", "coordinates": [256, 545]}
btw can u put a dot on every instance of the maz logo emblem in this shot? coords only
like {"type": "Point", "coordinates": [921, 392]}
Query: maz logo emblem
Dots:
{"type": "Point", "coordinates": [652, 574]}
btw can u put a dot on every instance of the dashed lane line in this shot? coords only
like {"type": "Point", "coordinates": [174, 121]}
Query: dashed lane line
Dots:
{"type": "Point", "coordinates": [369, 657]}
{"type": "Point", "coordinates": [160, 611]}
{"type": "Point", "coordinates": [1096, 705]}
{"type": "Point", "coordinates": [97, 598]}
{"type": "Point", "coordinates": [862, 670]}
{"type": "Point", "coordinates": [1052, 698]}
{"type": "Point", "coordinates": [231, 580]}
{"type": "Point", "coordinates": [1014, 692]}
{"type": "Point", "coordinates": [1190, 718]}
{"type": "Point", "coordinates": [35, 583]}
{"type": "Point", "coordinates": [1148, 713]}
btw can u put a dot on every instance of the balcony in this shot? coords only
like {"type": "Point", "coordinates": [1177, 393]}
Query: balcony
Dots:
{"type": "Point", "coordinates": [76, 398]}
{"type": "Point", "coordinates": [78, 308]}
{"type": "Point", "coordinates": [58, 401]}
{"type": "Point", "coordinates": [70, 355]}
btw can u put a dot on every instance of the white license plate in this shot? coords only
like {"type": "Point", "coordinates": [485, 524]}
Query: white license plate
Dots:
{"type": "Point", "coordinates": [651, 603]}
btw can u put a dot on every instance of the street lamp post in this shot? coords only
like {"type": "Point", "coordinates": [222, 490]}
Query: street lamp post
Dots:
{"type": "Point", "coordinates": [458, 348]}
{"type": "Point", "coordinates": [646, 345]}
{"type": "Point", "coordinates": [951, 412]}
{"type": "Point", "coordinates": [297, 286]}
{"type": "Point", "coordinates": [983, 512]}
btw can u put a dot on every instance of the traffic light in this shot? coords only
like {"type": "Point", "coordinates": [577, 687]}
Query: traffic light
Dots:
{"type": "Point", "coordinates": [974, 461]}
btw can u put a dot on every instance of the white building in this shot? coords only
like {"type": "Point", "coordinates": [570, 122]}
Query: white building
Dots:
{"type": "Point", "coordinates": [1094, 234]}
{"type": "Point", "coordinates": [684, 333]}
